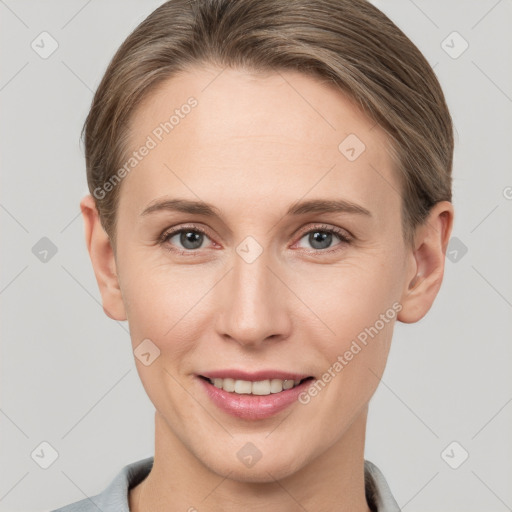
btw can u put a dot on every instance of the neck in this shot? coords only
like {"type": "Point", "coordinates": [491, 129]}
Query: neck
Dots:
{"type": "Point", "coordinates": [178, 481]}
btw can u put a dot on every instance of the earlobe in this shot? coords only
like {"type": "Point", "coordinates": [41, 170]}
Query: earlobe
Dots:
{"type": "Point", "coordinates": [103, 260]}
{"type": "Point", "coordinates": [427, 263]}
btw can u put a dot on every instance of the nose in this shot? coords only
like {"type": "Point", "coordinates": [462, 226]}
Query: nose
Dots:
{"type": "Point", "coordinates": [254, 302]}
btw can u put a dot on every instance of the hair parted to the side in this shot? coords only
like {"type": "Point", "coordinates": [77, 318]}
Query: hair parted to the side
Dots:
{"type": "Point", "coordinates": [347, 43]}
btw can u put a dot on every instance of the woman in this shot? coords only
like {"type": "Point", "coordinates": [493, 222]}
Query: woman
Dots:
{"type": "Point", "coordinates": [270, 192]}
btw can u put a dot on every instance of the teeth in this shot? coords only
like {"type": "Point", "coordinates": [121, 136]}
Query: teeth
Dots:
{"type": "Point", "coordinates": [243, 387]}
{"type": "Point", "coordinates": [247, 387]}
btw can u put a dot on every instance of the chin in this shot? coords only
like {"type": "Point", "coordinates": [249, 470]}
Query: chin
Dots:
{"type": "Point", "coordinates": [261, 471]}
{"type": "Point", "coordinates": [262, 475]}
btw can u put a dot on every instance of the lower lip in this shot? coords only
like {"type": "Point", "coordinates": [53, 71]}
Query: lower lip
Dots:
{"type": "Point", "coordinates": [253, 407]}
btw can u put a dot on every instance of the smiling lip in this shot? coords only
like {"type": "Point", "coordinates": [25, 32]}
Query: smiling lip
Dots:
{"type": "Point", "coordinates": [254, 376]}
{"type": "Point", "coordinates": [253, 407]}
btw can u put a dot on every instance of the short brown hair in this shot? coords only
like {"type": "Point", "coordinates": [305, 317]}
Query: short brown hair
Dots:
{"type": "Point", "coordinates": [349, 43]}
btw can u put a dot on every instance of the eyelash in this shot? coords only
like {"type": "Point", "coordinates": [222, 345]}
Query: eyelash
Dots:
{"type": "Point", "coordinates": [344, 238]}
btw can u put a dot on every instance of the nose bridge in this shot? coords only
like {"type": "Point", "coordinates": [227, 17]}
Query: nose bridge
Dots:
{"type": "Point", "coordinates": [255, 307]}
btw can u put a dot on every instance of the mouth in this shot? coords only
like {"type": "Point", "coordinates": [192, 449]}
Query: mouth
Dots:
{"type": "Point", "coordinates": [255, 387]}
{"type": "Point", "coordinates": [256, 396]}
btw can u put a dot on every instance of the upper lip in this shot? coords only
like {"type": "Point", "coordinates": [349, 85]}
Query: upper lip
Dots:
{"type": "Point", "coordinates": [253, 376]}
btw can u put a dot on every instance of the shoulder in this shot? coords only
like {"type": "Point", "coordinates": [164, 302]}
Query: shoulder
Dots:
{"type": "Point", "coordinates": [85, 505]}
{"type": "Point", "coordinates": [115, 496]}
{"type": "Point", "coordinates": [378, 493]}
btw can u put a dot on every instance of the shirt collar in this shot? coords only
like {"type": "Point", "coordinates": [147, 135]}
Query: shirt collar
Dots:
{"type": "Point", "coordinates": [115, 496]}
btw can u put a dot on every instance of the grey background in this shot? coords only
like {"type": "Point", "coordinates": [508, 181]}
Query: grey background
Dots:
{"type": "Point", "coordinates": [67, 374]}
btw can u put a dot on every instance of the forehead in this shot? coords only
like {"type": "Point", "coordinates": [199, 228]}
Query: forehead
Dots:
{"type": "Point", "coordinates": [224, 133]}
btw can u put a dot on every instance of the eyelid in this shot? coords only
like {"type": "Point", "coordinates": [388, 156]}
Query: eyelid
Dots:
{"type": "Point", "coordinates": [342, 233]}
{"type": "Point", "coordinates": [170, 232]}
{"type": "Point", "coordinates": [177, 229]}
{"type": "Point", "coordinates": [345, 236]}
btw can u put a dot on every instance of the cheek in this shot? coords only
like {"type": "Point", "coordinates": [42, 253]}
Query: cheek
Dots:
{"type": "Point", "coordinates": [164, 306]}
{"type": "Point", "coordinates": [344, 299]}
{"type": "Point", "coordinates": [159, 296]}
{"type": "Point", "coordinates": [352, 311]}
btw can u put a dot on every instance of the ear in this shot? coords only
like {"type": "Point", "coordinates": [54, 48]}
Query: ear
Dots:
{"type": "Point", "coordinates": [427, 260]}
{"type": "Point", "coordinates": [103, 260]}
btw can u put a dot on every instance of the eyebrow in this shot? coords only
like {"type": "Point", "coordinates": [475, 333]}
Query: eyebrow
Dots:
{"type": "Point", "coordinates": [300, 208]}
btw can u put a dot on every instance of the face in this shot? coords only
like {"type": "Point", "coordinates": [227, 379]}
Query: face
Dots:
{"type": "Point", "coordinates": [296, 268]}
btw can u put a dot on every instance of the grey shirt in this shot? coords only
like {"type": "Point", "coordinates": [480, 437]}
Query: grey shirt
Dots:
{"type": "Point", "coordinates": [115, 497]}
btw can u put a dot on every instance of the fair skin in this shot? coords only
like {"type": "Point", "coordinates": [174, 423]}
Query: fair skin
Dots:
{"type": "Point", "coordinates": [252, 148]}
